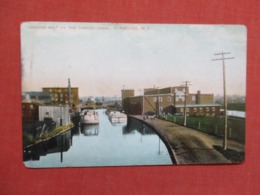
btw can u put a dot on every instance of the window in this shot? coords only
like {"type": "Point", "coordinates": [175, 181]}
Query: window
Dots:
{"type": "Point", "coordinates": [201, 109]}
{"type": "Point", "coordinates": [207, 109]}
{"type": "Point", "coordinates": [193, 98]}
{"type": "Point", "coordinates": [160, 99]}
{"type": "Point", "coordinates": [181, 109]}
{"type": "Point", "coordinates": [213, 109]}
{"type": "Point", "coordinates": [169, 99]}
{"type": "Point", "coordinates": [154, 99]}
{"type": "Point", "coordinates": [187, 109]}
{"type": "Point", "coordinates": [195, 109]}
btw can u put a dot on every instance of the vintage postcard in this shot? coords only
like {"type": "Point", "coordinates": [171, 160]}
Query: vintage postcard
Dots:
{"type": "Point", "coordinates": [115, 94]}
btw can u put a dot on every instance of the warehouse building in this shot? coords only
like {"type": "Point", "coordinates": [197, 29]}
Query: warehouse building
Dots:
{"type": "Point", "coordinates": [170, 100]}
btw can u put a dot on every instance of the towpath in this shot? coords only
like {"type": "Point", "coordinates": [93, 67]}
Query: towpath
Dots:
{"type": "Point", "coordinates": [189, 146]}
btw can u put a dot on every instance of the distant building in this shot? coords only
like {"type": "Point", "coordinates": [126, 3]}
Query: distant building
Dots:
{"type": "Point", "coordinates": [62, 96]}
{"type": "Point", "coordinates": [170, 100]}
{"type": "Point", "coordinates": [194, 109]}
{"type": "Point", "coordinates": [36, 97]}
{"type": "Point", "coordinates": [127, 96]}
{"type": "Point", "coordinates": [30, 105]}
{"type": "Point", "coordinates": [127, 93]}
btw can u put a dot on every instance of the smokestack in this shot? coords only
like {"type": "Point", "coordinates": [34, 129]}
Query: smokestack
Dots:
{"type": "Point", "coordinates": [198, 97]}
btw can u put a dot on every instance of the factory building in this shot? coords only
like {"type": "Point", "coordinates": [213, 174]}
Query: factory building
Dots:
{"type": "Point", "coordinates": [170, 100]}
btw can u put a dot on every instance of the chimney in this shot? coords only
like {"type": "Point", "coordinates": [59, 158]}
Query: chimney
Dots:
{"type": "Point", "coordinates": [198, 100]}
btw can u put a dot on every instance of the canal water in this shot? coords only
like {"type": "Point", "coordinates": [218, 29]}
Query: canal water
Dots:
{"type": "Point", "coordinates": [105, 144]}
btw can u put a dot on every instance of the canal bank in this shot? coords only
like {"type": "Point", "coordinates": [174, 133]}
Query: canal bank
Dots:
{"type": "Point", "coordinates": [49, 135]}
{"type": "Point", "coordinates": [189, 146]}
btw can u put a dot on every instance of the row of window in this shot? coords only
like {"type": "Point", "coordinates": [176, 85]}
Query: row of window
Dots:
{"type": "Point", "coordinates": [58, 90]}
{"type": "Point", "coordinates": [59, 100]}
{"type": "Point", "coordinates": [200, 109]}
{"type": "Point", "coordinates": [169, 99]}
{"type": "Point", "coordinates": [178, 98]}
{"type": "Point", "coordinates": [59, 94]}
{"type": "Point", "coordinates": [31, 106]}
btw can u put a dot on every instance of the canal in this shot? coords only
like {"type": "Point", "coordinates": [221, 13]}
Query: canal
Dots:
{"type": "Point", "coordinates": [105, 144]}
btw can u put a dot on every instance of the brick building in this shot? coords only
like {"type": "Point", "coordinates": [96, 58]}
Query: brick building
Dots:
{"type": "Point", "coordinates": [62, 96]}
{"type": "Point", "coordinates": [170, 100]}
{"type": "Point", "coordinates": [30, 112]}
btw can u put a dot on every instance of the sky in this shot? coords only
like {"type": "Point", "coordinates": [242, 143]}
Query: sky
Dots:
{"type": "Point", "coordinates": [101, 59]}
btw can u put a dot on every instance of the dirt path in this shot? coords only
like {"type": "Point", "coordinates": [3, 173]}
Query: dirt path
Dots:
{"type": "Point", "coordinates": [190, 146]}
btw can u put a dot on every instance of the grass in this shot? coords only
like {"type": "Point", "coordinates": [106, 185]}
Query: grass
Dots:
{"type": "Point", "coordinates": [236, 106]}
{"type": "Point", "coordinates": [55, 132]}
{"type": "Point", "coordinates": [213, 125]}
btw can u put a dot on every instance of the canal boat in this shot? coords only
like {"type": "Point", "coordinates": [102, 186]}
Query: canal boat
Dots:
{"type": "Point", "coordinates": [89, 117]}
{"type": "Point", "coordinates": [117, 117]}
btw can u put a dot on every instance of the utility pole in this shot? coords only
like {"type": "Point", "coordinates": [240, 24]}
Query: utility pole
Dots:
{"type": "Point", "coordinates": [158, 102]}
{"type": "Point", "coordinates": [223, 58]}
{"type": "Point", "coordinates": [185, 102]}
{"type": "Point", "coordinates": [69, 93]}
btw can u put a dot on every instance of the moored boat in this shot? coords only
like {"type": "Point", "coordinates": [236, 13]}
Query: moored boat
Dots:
{"type": "Point", "coordinates": [89, 117]}
{"type": "Point", "coordinates": [117, 117]}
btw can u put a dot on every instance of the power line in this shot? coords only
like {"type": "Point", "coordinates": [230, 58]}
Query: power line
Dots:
{"type": "Point", "coordinates": [187, 83]}
{"type": "Point", "coordinates": [223, 58]}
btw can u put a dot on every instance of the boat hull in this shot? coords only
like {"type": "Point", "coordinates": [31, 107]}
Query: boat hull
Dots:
{"type": "Point", "coordinates": [89, 117]}
{"type": "Point", "coordinates": [117, 117]}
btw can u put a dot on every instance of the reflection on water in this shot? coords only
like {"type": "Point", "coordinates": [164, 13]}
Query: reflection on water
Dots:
{"type": "Point", "coordinates": [104, 144]}
{"type": "Point", "coordinates": [58, 144]}
{"type": "Point", "coordinates": [90, 130]}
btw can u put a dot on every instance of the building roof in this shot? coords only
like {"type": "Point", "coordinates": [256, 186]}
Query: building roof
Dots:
{"type": "Point", "coordinates": [59, 87]}
{"type": "Point", "coordinates": [195, 105]}
{"type": "Point", "coordinates": [36, 94]}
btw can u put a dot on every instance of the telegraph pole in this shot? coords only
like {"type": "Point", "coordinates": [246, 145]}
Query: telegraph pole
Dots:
{"type": "Point", "coordinates": [223, 58]}
{"type": "Point", "coordinates": [69, 93]}
{"type": "Point", "coordinates": [185, 102]}
{"type": "Point", "coordinates": [159, 112]}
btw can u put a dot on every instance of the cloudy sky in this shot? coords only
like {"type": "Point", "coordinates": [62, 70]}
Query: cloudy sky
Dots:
{"type": "Point", "coordinates": [102, 58]}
